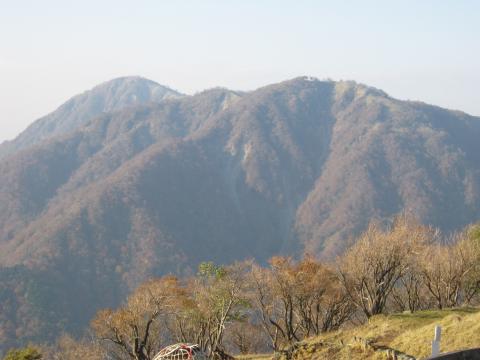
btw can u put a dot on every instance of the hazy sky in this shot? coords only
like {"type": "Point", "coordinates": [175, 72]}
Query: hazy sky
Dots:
{"type": "Point", "coordinates": [425, 50]}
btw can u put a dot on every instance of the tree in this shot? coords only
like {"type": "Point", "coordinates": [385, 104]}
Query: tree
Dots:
{"type": "Point", "coordinates": [443, 272]}
{"type": "Point", "coordinates": [263, 299]}
{"type": "Point", "coordinates": [216, 297]}
{"type": "Point", "coordinates": [408, 292]}
{"type": "Point", "coordinates": [470, 245]}
{"type": "Point", "coordinates": [67, 348]}
{"type": "Point", "coordinates": [372, 267]}
{"type": "Point", "coordinates": [451, 272]}
{"type": "Point", "coordinates": [320, 302]}
{"type": "Point", "coordinates": [28, 353]}
{"type": "Point", "coordinates": [134, 330]}
{"type": "Point", "coordinates": [295, 300]}
{"type": "Point", "coordinates": [246, 336]}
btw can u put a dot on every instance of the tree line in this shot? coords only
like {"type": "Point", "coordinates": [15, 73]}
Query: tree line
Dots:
{"type": "Point", "coordinates": [246, 308]}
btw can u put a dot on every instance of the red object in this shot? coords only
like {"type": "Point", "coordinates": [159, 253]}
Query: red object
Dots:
{"type": "Point", "coordinates": [189, 350]}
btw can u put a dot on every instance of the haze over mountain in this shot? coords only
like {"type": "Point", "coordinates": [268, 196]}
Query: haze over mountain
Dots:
{"type": "Point", "coordinates": [79, 110]}
{"type": "Point", "coordinates": [132, 180]}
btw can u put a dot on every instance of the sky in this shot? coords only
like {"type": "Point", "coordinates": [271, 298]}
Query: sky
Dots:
{"type": "Point", "coordinates": [426, 50]}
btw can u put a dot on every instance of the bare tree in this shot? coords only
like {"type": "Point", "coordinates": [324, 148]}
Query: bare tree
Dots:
{"type": "Point", "coordinates": [372, 267]}
{"type": "Point", "coordinates": [451, 272]}
{"type": "Point", "coordinates": [407, 294]}
{"type": "Point", "coordinates": [262, 297]}
{"type": "Point", "coordinates": [320, 303]}
{"type": "Point", "coordinates": [246, 337]}
{"type": "Point", "coordinates": [442, 275]}
{"type": "Point", "coordinates": [216, 298]}
{"type": "Point", "coordinates": [298, 299]}
{"type": "Point", "coordinates": [134, 330]}
{"type": "Point", "coordinates": [67, 348]}
{"type": "Point", "coordinates": [470, 247]}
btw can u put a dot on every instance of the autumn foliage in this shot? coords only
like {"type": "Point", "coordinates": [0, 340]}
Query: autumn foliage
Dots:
{"type": "Point", "coordinates": [246, 307]}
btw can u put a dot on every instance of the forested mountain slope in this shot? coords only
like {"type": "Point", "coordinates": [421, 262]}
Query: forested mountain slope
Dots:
{"type": "Point", "coordinates": [102, 202]}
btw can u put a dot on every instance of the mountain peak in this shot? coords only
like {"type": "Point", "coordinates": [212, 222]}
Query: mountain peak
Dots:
{"type": "Point", "coordinates": [132, 81]}
{"type": "Point", "coordinates": [111, 95]}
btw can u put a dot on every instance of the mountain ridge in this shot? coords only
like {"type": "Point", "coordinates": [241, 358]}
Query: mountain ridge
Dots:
{"type": "Point", "coordinates": [117, 93]}
{"type": "Point", "coordinates": [298, 166]}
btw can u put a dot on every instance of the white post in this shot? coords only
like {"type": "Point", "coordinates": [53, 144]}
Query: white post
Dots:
{"type": "Point", "coordinates": [436, 341]}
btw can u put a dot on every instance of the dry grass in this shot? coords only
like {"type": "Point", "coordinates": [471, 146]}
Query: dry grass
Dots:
{"type": "Point", "coordinates": [254, 357]}
{"type": "Point", "coordinates": [460, 330]}
{"type": "Point", "coordinates": [408, 333]}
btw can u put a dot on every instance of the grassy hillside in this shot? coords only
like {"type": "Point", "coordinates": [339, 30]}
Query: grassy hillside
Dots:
{"type": "Point", "coordinates": [406, 333]}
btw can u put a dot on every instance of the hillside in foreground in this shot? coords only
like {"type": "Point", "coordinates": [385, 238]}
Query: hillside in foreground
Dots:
{"type": "Point", "coordinates": [410, 334]}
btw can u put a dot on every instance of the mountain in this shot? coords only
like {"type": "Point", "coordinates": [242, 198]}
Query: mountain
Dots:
{"type": "Point", "coordinates": [110, 96]}
{"type": "Point", "coordinates": [158, 187]}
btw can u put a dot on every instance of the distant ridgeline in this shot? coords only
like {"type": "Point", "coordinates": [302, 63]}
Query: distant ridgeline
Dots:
{"type": "Point", "coordinates": [132, 180]}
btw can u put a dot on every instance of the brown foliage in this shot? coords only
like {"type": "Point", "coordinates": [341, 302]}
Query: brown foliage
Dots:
{"type": "Point", "coordinates": [379, 260]}
{"type": "Point", "coordinates": [451, 272]}
{"type": "Point", "coordinates": [216, 297]}
{"type": "Point", "coordinates": [67, 348]}
{"type": "Point", "coordinates": [135, 329]}
{"type": "Point", "coordinates": [297, 300]}
{"type": "Point", "coordinates": [246, 337]}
